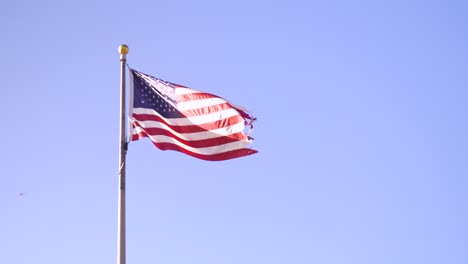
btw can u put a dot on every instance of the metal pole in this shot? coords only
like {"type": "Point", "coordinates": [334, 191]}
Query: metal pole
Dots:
{"type": "Point", "coordinates": [123, 50]}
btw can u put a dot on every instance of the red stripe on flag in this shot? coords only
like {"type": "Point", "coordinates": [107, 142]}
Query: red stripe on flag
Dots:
{"type": "Point", "coordinates": [195, 96]}
{"type": "Point", "coordinates": [237, 153]}
{"type": "Point", "coordinates": [191, 128]}
{"type": "Point", "coordinates": [207, 110]}
{"type": "Point", "coordinates": [201, 143]}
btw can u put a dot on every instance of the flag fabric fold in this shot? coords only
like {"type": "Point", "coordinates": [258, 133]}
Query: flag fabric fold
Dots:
{"type": "Point", "coordinates": [199, 124]}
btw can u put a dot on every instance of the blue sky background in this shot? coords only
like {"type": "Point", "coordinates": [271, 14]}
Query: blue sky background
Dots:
{"type": "Point", "coordinates": [362, 132]}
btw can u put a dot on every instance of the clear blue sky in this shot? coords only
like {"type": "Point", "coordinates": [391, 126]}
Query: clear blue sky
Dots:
{"type": "Point", "coordinates": [362, 132]}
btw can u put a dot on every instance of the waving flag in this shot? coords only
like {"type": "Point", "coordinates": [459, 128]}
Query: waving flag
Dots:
{"type": "Point", "coordinates": [199, 124]}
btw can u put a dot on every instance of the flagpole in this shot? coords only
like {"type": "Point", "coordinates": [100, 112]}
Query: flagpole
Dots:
{"type": "Point", "coordinates": [121, 258]}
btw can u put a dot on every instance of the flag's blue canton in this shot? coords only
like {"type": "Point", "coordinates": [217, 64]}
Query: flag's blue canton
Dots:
{"type": "Point", "coordinates": [147, 96]}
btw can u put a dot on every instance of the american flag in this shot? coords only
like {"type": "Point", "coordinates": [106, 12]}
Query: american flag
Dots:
{"type": "Point", "coordinates": [199, 124]}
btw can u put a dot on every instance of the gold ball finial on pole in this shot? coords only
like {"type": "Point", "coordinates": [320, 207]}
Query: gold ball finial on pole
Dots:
{"type": "Point", "coordinates": [123, 50]}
